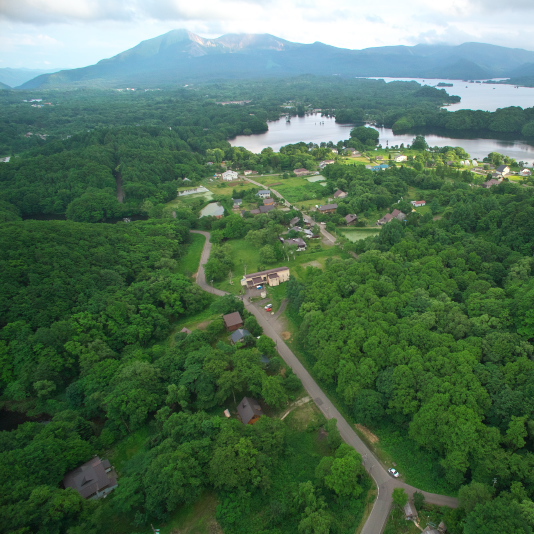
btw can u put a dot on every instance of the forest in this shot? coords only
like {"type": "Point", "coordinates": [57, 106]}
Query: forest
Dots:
{"type": "Point", "coordinates": [428, 329]}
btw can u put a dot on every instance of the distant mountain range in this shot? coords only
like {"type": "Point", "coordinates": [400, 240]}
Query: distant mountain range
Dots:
{"type": "Point", "coordinates": [183, 57]}
{"type": "Point", "coordinates": [15, 77]}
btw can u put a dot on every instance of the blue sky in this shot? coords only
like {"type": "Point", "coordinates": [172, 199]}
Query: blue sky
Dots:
{"type": "Point", "coordinates": [76, 33]}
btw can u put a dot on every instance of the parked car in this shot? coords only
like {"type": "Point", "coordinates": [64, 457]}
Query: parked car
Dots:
{"type": "Point", "coordinates": [268, 309]}
{"type": "Point", "coordinates": [268, 306]}
{"type": "Point", "coordinates": [393, 472]}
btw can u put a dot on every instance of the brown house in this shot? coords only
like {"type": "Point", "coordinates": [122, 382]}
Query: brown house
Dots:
{"type": "Point", "coordinates": [273, 277]}
{"type": "Point", "coordinates": [249, 410]}
{"type": "Point", "coordinates": [233, 321]}
{"type": "Point", "coordinates": [351, 218]}
{"type": "Point", "coordinates": [268, 201]}
{"type": "Point", "coordinates": [340, 194]}
{"type": "Point", "coordinates": [92, 480]}
{"type": "Point", "coordinates": [395, 214]}
{"type": "Point", "coordinates": [328, 208]}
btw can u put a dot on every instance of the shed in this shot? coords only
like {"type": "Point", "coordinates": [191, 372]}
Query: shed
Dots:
{"type": "Point", "coordinates": [239, 335]}
{"type": "Point", "coordinates": [410, 512]}
{"type": "Point", "coordinates": [249, 410]}
{"type": "Point", "coordinates": [233, 321]}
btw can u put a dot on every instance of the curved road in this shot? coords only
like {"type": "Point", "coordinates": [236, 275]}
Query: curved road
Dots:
{"type": "Point", "coordinates": [384, 482]}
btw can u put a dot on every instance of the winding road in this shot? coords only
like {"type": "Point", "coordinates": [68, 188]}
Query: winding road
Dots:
{"type": "Point", "coordinates": [384, 482]}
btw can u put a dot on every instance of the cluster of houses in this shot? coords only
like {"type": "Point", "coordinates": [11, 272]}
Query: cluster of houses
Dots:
{"type": "Point", "coordinates": [395, 214]}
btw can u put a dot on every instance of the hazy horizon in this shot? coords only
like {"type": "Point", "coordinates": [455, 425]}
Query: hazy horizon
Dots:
{"type": "Point", "coordinates": [54, 34]}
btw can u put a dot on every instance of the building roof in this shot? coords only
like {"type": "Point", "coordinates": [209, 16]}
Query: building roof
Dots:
{"type": "Point", "coordinates": [266, 273]}
{"type": "Point", "coordinates": [340, 194]}
{"type": "Point", "coordinates": [351, 217]}
{"type": "Point", "coordinates": [264, 192]}
{"type": "Point", "coordinates": [248, 409]}
{"type": "Point", "coordinates": [294, 221]}
{"type": "Point", "coordinates": [491, 183]}
{"type": "Point", "coordinates": [327, 207]}
{"type": "Point", "coordinates": [238, 201]}
{"type": "Point", "coordinates": [90, 477]}
{"type": "Point", "coordinates": [502, 168]}
{"type": "Point", "coordinates": [398, 214]}
{"type": "Point", "coordinates": [267, 209]}
{"type": "Point", "coordinates": [239, 334]}
{"type": "Point", "coordinates": [232, 319]}
{"type": "Point", "coordinates": [296, 241]}
{"type": "Point", "coordinates": [268, 201]}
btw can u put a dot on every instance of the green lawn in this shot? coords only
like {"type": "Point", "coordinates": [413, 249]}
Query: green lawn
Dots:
{"type": "Point", "coordinates": [190, 261]}
{"type": "Point", "coordinates": [355, 234]}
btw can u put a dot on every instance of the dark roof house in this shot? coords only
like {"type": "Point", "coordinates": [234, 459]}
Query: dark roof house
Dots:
{"type": "Point", "coordinates": [249, 410]}
{"type": "Point", "coordinates": [351, 218]}
{"type": "Point", "coordinates": [92, 480]}
{"type": "Point", "coordinates": [239, 335]}
{"type": "Point", "coordinates": [233, 321]}
{"type": "Point", "coordinates": [328, 208]}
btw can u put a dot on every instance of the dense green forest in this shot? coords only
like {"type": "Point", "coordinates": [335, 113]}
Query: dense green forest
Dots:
{"type": "Point", "coordinates": [428, 330]}
{"type": "Point", "coordinates": [431, 330]}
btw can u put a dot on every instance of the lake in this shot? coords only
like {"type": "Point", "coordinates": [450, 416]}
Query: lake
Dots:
{"type": "Point", "coordinates": [317, 129]}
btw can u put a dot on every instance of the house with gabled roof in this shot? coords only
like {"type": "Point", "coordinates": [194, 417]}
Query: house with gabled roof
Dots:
{"type": "Point", "coordinates": [395, 214]}
{"type": "Point", "coordinates": [273, 277]}
{"type": "Point", "coordinates": [340, 194]}
{"type": "Point", "coordinates": [249, 410]}
{"type": "Point", "coordinates": [92, 480]}
{"type": "Point", "coordinates": [351, 218]}
{"type": "Point", "coordinates": [233, 321]}
{"type": "Point", "coordinates": [328, 208]}
{"type": "Point", "coordinates": [239, 335]}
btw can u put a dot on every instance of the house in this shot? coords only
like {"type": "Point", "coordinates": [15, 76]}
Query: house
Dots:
{"type": "Point", "coordinates": [301, 172]}
{"type": "Point", "coordinates": [294, 221]}
{"type": "Point", "coordinates": [340, 194]}
{"type": "Point", "coordinates": [352, 152]}
{"type": "Point", "coordinates": [267, 209]}
{"type": "Point", "coordinates": [379, 158]}
{"type": "Point", "coordinates": [237, 203]}
{"type": "Point", "coordinates": [401, 157]}
{"type": "Point", "coordinates": [491, 183]}
{"type": "Point", "coordinates": [273, 277]}
{"type": "Point", "coordinates": [328, 208]}
{"type": "Point", "coordinates": [229, 176]}
{"type": "Point", "coordinates": [503, 170]}
{"type": "Point", "coordinates": [248, 172]}
{"type": "Point", "coordinates": [268, 201]}
{"type": "Point", "coordinates": [239, 335]}
{"type": "Point", "coordinates": [326, 162]}
{"type": "Point", "coordinates": [523, 172]}
{"type": "Point", "coordinates": [298, 242]}
{"type": "Point", "coordinates": [351, 218]}
{"type": "Point", "coordinates": [233, 321]}
{"type": "Point", "coordinates": [264, 193]}
{"type": "Point", "coordinates": [418, 203]}
{"type": "Point", "coordinates": [249, 410]}
{"type": "Point", "coordinates": [92, 480]}
{"type": "Point", "coordinates": [395, 214]}
{"type": "Point", "coordinates": [214, 209]}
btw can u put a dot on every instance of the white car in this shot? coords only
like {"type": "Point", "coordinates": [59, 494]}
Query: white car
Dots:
{"type": "Point", "coordinates": [268, 306]}
{"type": "Point", "coordinates": [393, 472]}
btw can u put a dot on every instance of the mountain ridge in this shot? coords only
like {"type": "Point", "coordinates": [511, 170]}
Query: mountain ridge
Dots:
{"type": "Point", "coordinates": [181, 56]}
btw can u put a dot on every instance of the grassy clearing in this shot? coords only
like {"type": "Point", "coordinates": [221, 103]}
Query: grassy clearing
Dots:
{"type": "Point", "coordinates": [126, 449]}
{"type": "Point", "coordinates": [244, 254]}
{"type": "Point", "coordinates": [226, 188]}
{"type": "Point", "coordinates": [191, 260]}
{"type": "Point", "coordinates": [397, 524]}
{"type": "Point", "coordinates": [196, 518]}
{"type": "Point", "coordinates": [355, 234]}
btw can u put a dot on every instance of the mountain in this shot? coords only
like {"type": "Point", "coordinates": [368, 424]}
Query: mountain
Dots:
{"type": "Point", "coordinates": [183, 57]}
{"type": "Point", "coordinates": [15, 77]}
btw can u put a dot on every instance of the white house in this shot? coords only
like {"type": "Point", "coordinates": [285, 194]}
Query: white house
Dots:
{"type": "Point", "coordinates": [401, 157]}
{"type": "Point", "coordinates": [229, 176]}
{"type": "Point", "coordinates": [525, 172]}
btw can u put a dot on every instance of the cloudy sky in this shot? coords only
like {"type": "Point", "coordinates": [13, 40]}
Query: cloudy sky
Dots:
{"type": "Point", "coordinates": [76, 33]}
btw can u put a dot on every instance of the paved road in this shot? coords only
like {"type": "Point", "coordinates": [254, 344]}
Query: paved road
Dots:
{"type": "Point", "coordinates": [385, 483]}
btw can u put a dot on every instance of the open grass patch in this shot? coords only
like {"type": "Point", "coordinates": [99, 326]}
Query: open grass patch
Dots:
{"type": "Point", "coordinates": [195, 518]}
{"type": "Point", "coordinates": [355, 234]}
{"type": "Point", "coordinates": [127, 448]}
{"type": "Point", "coordinates": [191, 260]}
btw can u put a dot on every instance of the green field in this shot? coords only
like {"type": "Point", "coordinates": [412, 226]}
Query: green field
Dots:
{"type": "Point", "coordinates": [355, 234]}
{"type": "Point", "coordinates": [189, 263]}
{"type": "Point", "coordinates": [246, 255]}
